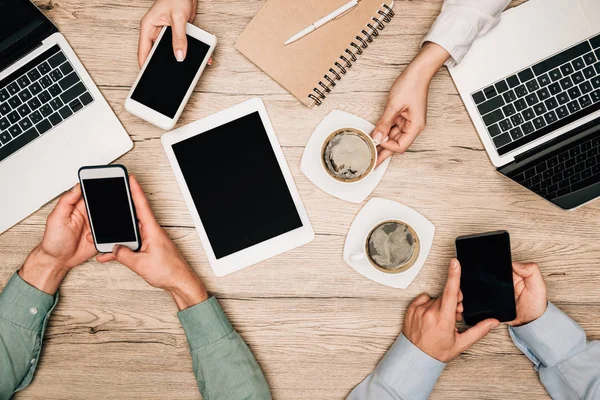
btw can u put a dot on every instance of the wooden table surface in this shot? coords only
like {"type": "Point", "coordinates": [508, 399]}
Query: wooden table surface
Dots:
{"type": "Point", "coordinates": [316, 327]}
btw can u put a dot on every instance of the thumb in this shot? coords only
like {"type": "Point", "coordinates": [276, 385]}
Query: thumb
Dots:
{"type": "Point", "coordinates": [180, 45]}
{"type": "Point", "coordinates": [471, 336]}
{"type": "Point", "coordinates": [125, 256]}
{"type": "Point", "coordinates": [385, 124]}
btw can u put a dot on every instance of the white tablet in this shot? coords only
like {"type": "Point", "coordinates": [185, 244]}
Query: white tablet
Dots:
{"type": "Point", "coordinates": [238, 187]}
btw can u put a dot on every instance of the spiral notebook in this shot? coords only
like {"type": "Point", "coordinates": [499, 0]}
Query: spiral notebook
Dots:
{"type": "Point", "coordinates": [310, 67]}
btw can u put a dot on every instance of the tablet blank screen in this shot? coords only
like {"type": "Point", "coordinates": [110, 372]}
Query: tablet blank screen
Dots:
{"type": "Point", "coordinates": [236, 184]}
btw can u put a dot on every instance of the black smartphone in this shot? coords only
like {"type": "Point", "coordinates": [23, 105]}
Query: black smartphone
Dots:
{"type": "Point", "coordinates": [110, 207]}
{"type": "Point", "coordinates": [486, 277]}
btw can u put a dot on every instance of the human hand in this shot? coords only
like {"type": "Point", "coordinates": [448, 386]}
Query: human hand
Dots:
{"type": "Point", "coordinates": [430, 324]}
{"type": "Point", "coordinates": [405, 114]}
{"type": "Point", "coordinates": [530, 293]}
{"type": "Point", "coordinates": [64, 245]}
{"type": "Point", "coordinates": [174, 13]}
{"type": "Point", "coordinates": [158, 262]}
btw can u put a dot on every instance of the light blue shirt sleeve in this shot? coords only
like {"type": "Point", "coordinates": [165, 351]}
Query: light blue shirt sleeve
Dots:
{"type": "Point", "coordinates": [404, 373]}
{"type": "Point", "coordinates": [568, 364]}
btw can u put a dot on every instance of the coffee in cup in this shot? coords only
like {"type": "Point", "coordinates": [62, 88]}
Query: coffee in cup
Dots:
{"type": "Point", "coordinates": [349, 155]}
{"type": "Point", "coordinates": [391, 246]}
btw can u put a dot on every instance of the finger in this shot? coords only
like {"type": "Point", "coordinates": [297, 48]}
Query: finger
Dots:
{"type": "Point", "coordinates": [452, 288]}
{"type": "Point", "coordinates": [104, 258]}
{"type": "Point", "coordinates": [89, 238]}
{"type": "Point", "coordinates": [406, 140]}
{"type": "Point", "coordinates": [519, 284]}
{"type": "Point", "coordinates": [526, 270]}
{"type": "Point", "coordinates": [126, 256]}
{"type": "Point", "coordinates": [383, 155]}
{"type": "Point", "coordinates": [460, 296]}
{"type": "Point", "coordinates": [142, 207]}
{"type": "Point", "coordinates": [178, 25]}
{"type": "Point", "coordinates": [66, 204]}
{"type": "Point", "coordinates": [460, 308]}
{"type": "Point", "coordinates": [459, 317]}
{"type": "Point", "coordinates": [385, 124]}
{"type": "Point", "coordinates": [472, 335]}
{"type": "Point", "coordinates": [148, 34]}
{"type": "Point", "coordinates": [210, 62]}
{"type": "Point", "coordinates": [420, 300]}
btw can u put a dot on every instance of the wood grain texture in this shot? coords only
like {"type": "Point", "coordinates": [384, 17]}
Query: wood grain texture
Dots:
{"type": "Point", "coordinates": [316, 326]}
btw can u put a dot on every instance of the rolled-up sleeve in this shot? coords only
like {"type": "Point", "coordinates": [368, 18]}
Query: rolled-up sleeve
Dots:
{"type": "Point", "coordinates": [404, 373]}
{"type": "Point", "coordinates": [24, 314]}
{"type": "Point", "coordinates": [569, 365]}
{"type": "Point", "coordinates": [461, 22]}
{"type": "Point", "coordinates": [224, 366]}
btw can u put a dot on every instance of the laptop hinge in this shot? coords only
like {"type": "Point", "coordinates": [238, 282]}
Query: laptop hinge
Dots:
{"type": "Point", "coordinates": [8, 60]}
{"type": "Point", "coordinates": [558, 139]}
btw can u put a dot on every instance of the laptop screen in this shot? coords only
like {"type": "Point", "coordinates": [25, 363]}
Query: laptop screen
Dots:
{"type": "Point", "coordinates": [22, 27]}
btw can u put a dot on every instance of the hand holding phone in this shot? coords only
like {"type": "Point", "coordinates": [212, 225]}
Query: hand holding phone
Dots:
{"type": "Point", "coordinates": [530, 293]}
{"type": "Point", "coordinates": [430, 324]}
{"type": "Point", "coordinates": [110, 208]}
{"type": "Point", "coordinates": [487, 277]}
{"type": "Point", "coordinates": [165, 84]}
{"type": "Point", "coordinates": [158, 261]}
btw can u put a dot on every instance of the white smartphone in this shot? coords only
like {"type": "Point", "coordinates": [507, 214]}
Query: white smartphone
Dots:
{"type": "Point", "coordinates": [164, 85]}
{"type": "Point", "coordinates": [110, 207]}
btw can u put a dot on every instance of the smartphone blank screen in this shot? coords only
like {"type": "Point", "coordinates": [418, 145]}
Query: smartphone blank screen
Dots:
{"type": "Point", "coordinates": [108, 207]}
{"type": "Point", "coordinates": [165, 81]}
{"type": "Point", "coordinates": [486, 277]}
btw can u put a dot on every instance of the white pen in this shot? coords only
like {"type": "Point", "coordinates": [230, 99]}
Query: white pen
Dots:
{"type": "Point", "coordinates": [329, 17]}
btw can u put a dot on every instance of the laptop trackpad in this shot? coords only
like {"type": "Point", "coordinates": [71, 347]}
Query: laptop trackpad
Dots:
{"type": "Point", "coordinates": [591, 9]}
{"type": "Point", "coordinates": [35, 175]}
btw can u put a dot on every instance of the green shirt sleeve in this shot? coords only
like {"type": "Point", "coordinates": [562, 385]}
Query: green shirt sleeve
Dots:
{"type": "Point", "coordinates": [224, 366]}
{"type": "Point", "coordinates": [24, 313]}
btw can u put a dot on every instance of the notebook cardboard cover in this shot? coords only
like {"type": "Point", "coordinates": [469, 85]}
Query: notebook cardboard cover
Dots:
{"type": "Point", "coordinates": [299, 66]}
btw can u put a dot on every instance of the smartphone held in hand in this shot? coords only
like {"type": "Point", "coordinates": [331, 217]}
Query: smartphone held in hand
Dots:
{"type": "Point", "coordinates": [165, 84]}
{"type": "Point", "coordinates": [486, 278]}
{"type": "Point", "coordinates": [110, 208]}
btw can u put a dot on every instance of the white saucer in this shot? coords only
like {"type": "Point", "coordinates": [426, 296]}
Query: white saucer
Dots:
{"type": "Point", "coordinates": [375, 211]}
{"type": "Point", "coordinates": [312, 168]}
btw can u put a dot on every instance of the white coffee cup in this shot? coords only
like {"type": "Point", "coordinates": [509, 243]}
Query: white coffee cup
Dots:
{"type": "Point", "coordinates": [367, 140]}
{"type": "Point", "coordinates": [405, 265]}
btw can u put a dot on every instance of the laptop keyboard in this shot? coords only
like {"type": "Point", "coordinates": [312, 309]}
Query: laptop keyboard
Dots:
{"type": "Point", "coordinates": [37, 97]}
{"type": "Point", "coordinates": [573, 167]}
{"type": "Point", "coordinates": [542, 98]}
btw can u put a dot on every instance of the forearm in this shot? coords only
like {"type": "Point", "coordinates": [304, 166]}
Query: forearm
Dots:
{"type": "Point", "coordinates": [404, 373]}
{"type": "Point", "coordinates": [224, 366]}
{"type": "Point", "coordinates": [558, 347]}
{"type": "Point", "coordinates": [24, 312]}
{"type": "Point", "coordinates": [461, 22]}
{"type": "Point", "coordinates": [428, 62]}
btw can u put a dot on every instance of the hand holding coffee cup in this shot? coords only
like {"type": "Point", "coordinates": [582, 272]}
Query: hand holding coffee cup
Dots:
{"type": "Point", "coordinates": [349, 155]}
{"type": "Point", "coordinates": [390, 246]}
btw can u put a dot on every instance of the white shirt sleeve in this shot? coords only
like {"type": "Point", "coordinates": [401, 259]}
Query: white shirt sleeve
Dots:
{"type": "Point", "coordinates": [569, 365]}
{"type": "Point", "coordinates": [461, 22]}
{"type": "Point", "coordinates": [404, 373]}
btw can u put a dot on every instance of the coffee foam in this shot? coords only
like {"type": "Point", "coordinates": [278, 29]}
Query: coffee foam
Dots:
{"type": "Point", "coordinates": [391, 245]}
{"type": "Point", "coordinates": [348, 156]}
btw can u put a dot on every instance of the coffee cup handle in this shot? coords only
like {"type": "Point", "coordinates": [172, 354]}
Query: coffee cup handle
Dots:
{"type": "Point", "coordinates": [357, 257]}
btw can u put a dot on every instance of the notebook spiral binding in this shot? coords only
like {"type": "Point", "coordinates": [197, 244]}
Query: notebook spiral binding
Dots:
{"type": "Point", "coordinates": [356, 47]}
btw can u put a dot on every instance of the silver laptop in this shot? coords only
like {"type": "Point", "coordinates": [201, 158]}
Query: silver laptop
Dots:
{"type": "Point", "coordinates": [53, 118]}
{"type": "Point", "coordinates": [532, 89]}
